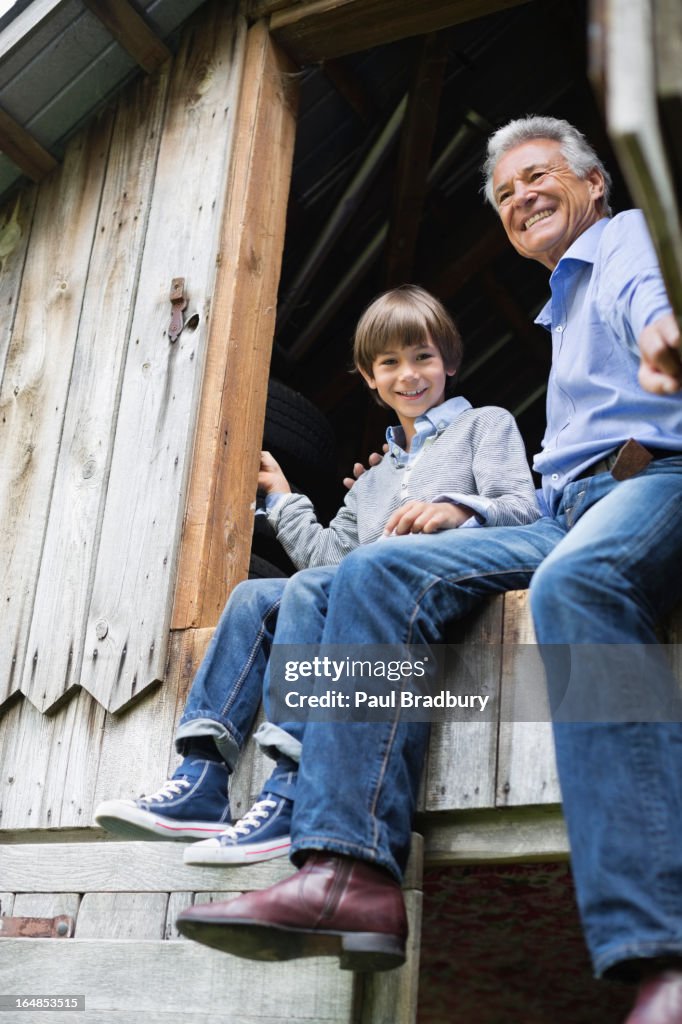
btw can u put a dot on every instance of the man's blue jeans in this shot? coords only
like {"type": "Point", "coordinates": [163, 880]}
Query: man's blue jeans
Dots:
{"type": "Point", "coordinates": [610, 568]}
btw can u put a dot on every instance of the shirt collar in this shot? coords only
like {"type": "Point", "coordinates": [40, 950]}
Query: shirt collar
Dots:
{"type": "Point", "coordinates": [583, 250]}
{"type": "Point", "coordinates": [435, 421]}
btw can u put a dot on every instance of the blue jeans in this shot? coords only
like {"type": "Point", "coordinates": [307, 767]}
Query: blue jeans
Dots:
{"type": "Point", "coordinates": [609, 570]}
{"type": "Point", "coordinates": [234, 675]}
{"type": "Point", "coordinates": [227, 689]}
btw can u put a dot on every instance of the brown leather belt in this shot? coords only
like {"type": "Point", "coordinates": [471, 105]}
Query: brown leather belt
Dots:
{"type": "Point", "coordinates": [628, 460]}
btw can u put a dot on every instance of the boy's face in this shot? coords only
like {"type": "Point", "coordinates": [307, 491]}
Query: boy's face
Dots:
{"type": "Point", "coordinates": [410, 379]}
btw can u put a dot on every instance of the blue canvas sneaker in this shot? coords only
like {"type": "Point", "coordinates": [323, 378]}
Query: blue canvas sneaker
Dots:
{"type": "Point", "coordinates": [192, 804]}
{"type": "Point", "coordinates": [262, 834]}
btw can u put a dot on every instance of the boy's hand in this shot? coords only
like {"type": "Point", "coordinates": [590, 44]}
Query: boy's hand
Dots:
{"type": "Point", "coordinates": [426, 517]}
{"type": "Point", "coordinates": [271, 479]}
{"type": "Point", "coordinates": [358, 468]}
{"type": "Point", "coordinates": [660, 370]}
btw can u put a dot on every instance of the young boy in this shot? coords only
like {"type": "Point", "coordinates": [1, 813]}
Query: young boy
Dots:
{"type": "Point", "coordinates": [448, 466]}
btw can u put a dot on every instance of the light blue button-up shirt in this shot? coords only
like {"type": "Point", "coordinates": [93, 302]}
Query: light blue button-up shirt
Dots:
{"type": "Point", "coordinates": [605, 290]}
{"type": "Point", "coordinates": [429, 425]}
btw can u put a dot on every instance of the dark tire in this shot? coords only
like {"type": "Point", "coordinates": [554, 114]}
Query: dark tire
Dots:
{"type": "Point", "coordinates": [266, 546]}
{"type": "Point", "coordinates": [299, 436]}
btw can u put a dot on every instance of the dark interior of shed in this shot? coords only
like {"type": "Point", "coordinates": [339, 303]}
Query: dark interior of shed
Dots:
{"type": "Point", "coordinates": [386, 189]}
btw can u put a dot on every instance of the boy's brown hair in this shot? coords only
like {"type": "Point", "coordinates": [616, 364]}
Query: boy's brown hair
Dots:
{"type": "Point", "coordinates": [406, 316]}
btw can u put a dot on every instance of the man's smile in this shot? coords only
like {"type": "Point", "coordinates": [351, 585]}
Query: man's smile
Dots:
{"type": "Point", "coordinates": [541, 215]}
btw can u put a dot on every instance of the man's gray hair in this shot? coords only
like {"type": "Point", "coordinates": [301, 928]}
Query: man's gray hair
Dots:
{"type": "Point", "coordinates": [577, 151]}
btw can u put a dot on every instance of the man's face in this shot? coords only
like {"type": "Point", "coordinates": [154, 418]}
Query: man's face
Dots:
{"type": "Point", "coordinates": [544, 206]}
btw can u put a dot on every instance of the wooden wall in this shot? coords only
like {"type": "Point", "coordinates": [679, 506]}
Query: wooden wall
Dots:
{"type": "Point", "coordinates": [98, 409]}
{"type": "Point", "coordinates": [127, 466]}
{"type": "Point", "coordinates": [97, 404]}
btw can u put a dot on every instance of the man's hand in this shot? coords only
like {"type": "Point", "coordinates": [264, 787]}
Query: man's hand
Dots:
{"type": "Point", "coordinates": [359, 469]}
{"type": "Point", "coordinates": [271, 479]}
{"type": "Point", "coordinates": [661, 368]}
{"type": "Point", "coordinates": [426, 517]}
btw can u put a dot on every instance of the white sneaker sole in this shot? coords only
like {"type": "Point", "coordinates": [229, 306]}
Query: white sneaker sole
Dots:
{"type": "Point", "coordinates": [124, 818]}
{"type": "Point", "coordinates": [212, 852]}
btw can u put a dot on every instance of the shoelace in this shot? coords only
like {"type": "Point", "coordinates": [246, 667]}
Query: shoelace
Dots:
{"type": "Point", "coordinates": [169, 789]}
{"type": "Point", "coordinates": [252, 819]}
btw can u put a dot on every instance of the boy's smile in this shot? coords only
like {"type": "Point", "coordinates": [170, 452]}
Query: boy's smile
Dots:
{"type": "Point", "coordinates": [411, 380]}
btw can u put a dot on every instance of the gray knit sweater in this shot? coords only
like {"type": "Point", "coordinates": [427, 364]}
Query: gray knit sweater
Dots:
{"type": "Point", "coordinates": [478, 460]}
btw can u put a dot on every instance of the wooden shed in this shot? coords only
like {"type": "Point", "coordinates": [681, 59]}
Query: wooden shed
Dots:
{"type": "Point", "coordinates": [146, 163]}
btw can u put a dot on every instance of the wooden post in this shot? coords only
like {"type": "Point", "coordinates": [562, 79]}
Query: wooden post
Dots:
{"type": "Point", "coordinates": [217, 530]}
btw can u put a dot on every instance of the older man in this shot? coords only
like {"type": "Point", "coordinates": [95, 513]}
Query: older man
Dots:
{"type": "Point", "coordinates": [607, 558]}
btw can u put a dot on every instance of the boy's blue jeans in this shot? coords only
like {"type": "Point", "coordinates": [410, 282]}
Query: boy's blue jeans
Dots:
{"type": "Point", "coordinates": [610, 569]}
{"type": "Point", "coordinates": [233, 675]}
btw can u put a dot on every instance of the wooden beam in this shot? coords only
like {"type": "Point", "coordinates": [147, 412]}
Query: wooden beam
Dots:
{"type": "Point", "coordinates": [315, 30]}
{"type": "Point", "coordinates": [414, 158]}
{"type": "Point", "coordinates": [532, 338]}
{"type": "Point", "coordinates": [350, 89]}
{"type": "Point", "coordinates": [668, 20]}
{"type": "Point", "coordinates": [263, 8]}
{"type": "Point", "coordinates": [217, 531]}
{"type": "Point", "coordinates": [347, 205]}
{"type": "Point", "coordinates": [448, 277]}
{"type": "Point", "coordinates": [131, 31]}
{"type": "Point", "coordinates": [23, 150]}
{"type": "Point", "coordinates": [633, 125]}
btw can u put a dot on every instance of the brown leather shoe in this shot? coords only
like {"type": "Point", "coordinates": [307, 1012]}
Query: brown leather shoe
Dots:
{"type": "Point", "coordinates": [333, 906]}
{"type": "Point", "coordinates": [659, 1000]}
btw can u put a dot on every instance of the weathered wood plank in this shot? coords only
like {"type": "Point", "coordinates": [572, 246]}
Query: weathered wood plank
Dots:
{"type": "Point", "coordinates": [668, 25]}
{"type": "Point", "coordinates": [155, 867]}
{"type": "Point", "coordinates": [54, 785]}
{"type": "Point", "coordinates": [149, 978]}
{"type": "Point", "coordinates": [6, 904]}
{"type": "Point", "coordinates": [461, 762]}
{"type": "Point", "coordinates": [219, 517]}
{"type": "Point", "coordinates": [390, 997]}
{"type": "Point", "coordinates": [177, 902]}
{"type": "Point", "coordinates": [110, 867]}
{"type": "Point", "coordinates": [136, 749]}
{"type": "Point", "coordinates": [127, 631]}
{"type": "Point", "coordinates": [15, 221]}
{"type": "Point", "coordinates": [46, 904]}
{"type": "Point", "coordinates": [36, 381]}
{"type": "Point", "coordinates": [495, 836]}
{"type": "Point", "coordinates": [122, 915]}
{"type": "Point", "coordinates": [315, 30]}
{"type": "Point", "coordinates": [526, 764]}
{"type": "Point", "coordinates": [633, 126]}
{"type": "Point", "coordinates": [57, 633]}
{"type": "Point", "coordinates": [131, 31]}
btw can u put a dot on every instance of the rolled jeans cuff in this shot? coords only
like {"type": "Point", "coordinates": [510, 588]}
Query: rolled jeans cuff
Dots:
{"type": "Point", "coordinates": [227, 745]}
{"type": "Point", "coordinates": [626, 961]}
{"type": "Point", "coordinates": [274, 741]}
